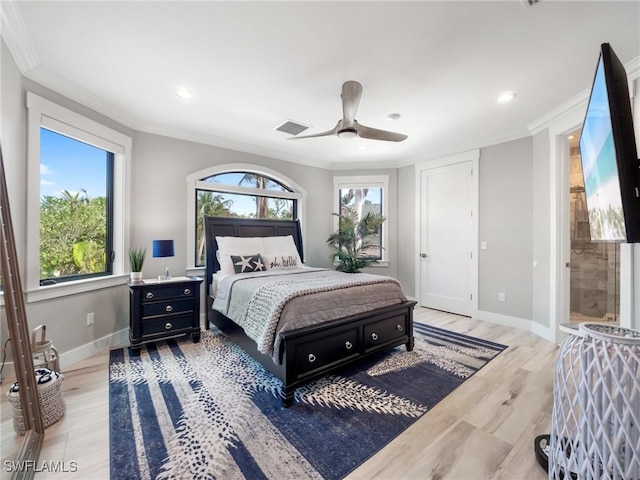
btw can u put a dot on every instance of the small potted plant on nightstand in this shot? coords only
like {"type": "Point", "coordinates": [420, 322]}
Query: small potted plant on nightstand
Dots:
{"type": "Point", "coordinates": [136, 260]}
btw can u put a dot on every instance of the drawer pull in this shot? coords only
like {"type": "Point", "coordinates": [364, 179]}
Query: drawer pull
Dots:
{"type": "Point", "coordinates": [149, 294]}
{"type": "Point", "coordinates": [312, 358]}
{"type": "Point", "coordinates": [348, 345]}
{"type": "Point", "coordinates": [399, 327]}
{"type": "Point", "coordinates": [168, 326]}
{"type": "Point", "coordinates": [374, 336]}
{"type": "Point", "coordinates": [187, 291]}
{"type": "Point", "coordinates": [168, 308]}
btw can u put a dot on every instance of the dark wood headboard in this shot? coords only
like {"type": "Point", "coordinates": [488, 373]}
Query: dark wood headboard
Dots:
{"type": "Point", "coordinates": [244, 227]}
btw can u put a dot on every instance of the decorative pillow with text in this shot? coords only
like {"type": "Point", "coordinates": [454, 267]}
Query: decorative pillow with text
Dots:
{"type": "Point", "coordinates": [281, 261]}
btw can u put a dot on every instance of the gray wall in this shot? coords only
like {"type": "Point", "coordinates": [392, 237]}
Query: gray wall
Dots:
{"type": "Point", "coordinates": [505, 223]}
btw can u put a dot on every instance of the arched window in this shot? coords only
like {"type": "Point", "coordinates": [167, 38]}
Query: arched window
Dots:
{"type": "Point", "coordinates": [243, 191]}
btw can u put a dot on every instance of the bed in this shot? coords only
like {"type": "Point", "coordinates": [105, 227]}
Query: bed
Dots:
{"type": "Point", "coordinates": [312, 351]}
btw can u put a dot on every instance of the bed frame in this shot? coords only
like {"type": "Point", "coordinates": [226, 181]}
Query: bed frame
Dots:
{"type": "Point", "coordinates": [313, 351]}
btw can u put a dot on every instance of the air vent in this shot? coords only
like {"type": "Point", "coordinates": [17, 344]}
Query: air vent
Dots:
{"type": "Point", "coordinates": [291, 127]}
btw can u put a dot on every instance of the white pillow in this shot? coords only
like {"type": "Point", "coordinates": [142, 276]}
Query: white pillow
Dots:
{"type": "Point", "coordinates": [280, 252]}
{"type": "Point", "coordinates": [279, 245]}
{"type": "Point", "coordinates": [228, 246]}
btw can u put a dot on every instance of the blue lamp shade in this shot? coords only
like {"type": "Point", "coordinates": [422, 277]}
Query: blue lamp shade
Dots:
{"type": "Point", "coordinates": [163, 248]}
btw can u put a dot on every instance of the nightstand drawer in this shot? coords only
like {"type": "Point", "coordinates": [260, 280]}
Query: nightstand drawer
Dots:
{"type": "Point", "coordinates": [166, 325]}
{"type": "Point", "coordinates": [154, 294]}
{"type": "Point", "coordinates": [170, 307]}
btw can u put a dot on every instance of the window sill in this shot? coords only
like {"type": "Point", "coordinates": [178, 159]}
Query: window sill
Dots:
{"type": "Point", "coordinates": [380, 264]}
{"type": "Point", "coordinates": [72, 288]}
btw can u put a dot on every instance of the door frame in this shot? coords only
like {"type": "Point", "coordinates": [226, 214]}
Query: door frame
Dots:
{"type": "Point", "coordinates": [472, 156]}
{"type": "Point", "coordinates": [560, 251]}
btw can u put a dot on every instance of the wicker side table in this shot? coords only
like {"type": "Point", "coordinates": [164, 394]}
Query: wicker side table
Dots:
{"type": "Point", "coordinates": [50, 395]}
{"type": "Point", "coordinates": [595, 429]}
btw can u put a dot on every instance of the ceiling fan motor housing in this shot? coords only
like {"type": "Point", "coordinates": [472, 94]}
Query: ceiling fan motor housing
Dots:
{"type": "Point", "coordinates": [347, 133]}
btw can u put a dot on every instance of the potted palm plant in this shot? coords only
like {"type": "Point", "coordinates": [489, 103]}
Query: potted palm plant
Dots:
{"type": "Point", "coordinates": [136, 260]}
{"type": "Point", "coordinates": [351, 243]}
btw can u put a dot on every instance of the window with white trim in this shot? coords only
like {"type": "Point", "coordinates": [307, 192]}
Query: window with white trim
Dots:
{"type": "Point", "coordinates": [364, 195]}
{"type": "Point", "coordinates": [242, 191]}
{"type": "Point", "coordinates": [76, 219]}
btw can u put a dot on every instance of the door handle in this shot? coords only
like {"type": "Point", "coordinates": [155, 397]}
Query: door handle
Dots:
{"type": "Point", "coordinates": [424, 255]}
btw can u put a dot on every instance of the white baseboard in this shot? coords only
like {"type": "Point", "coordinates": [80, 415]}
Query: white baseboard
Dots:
{"type": "Point", "coordinates": [83, 352]}
{"type": "Point", "coordinates": [521, 323]}
{"type": "Point", "coordinates": [506, 320]}
{"type": "Point", "coordinates": [542, 331]}
{"type": "Point", "coordinates": [89, 349]}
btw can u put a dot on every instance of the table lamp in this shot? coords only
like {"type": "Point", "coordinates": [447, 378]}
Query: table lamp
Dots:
{"type": "Point", "coordinates": [163, 248]}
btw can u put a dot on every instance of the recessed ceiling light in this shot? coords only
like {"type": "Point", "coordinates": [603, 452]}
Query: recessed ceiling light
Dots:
{"type": "Point", "coordinates": [184, 93]}
{"type": "Point", "coordinates": [393, 116]}
{"type": "Point", "coordinates": [570, 137]}
{"type": "Point", "coordinates": [506, 97]}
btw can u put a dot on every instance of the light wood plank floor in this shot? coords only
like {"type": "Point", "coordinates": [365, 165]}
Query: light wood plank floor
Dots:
{"type": "Point", "coordinates": [483, 430]}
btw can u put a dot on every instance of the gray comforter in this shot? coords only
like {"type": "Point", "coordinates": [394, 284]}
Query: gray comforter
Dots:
{"type": "Point", "coordinates": [267, 303]}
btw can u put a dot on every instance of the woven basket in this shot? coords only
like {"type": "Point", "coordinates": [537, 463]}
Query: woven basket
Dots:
{"type": "Point", "coordinates": [50, 394]}
{"type": "Point", "coordinates": [595, 431]}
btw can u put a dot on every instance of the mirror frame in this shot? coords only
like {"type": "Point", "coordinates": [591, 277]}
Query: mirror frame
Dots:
{"type": "Point", "coordinates": [20, 341]}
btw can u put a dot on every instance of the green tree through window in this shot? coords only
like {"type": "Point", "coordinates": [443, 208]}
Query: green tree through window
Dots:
{"type": "Point", "coordinates": [239, 194]}
{"type": "Point", "coordinates": [75, 208]}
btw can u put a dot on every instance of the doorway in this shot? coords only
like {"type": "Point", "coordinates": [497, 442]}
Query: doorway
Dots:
{"type": "Point", "coordinates": [594, 278]}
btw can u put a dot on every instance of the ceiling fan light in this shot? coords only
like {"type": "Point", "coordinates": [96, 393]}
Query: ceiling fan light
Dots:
{"type": "Point", "coordinates": [184, 93]}
{"type": "Point", "coordinates": [348, 133]}
{"type": "Point", "coordinates": [506, 97]}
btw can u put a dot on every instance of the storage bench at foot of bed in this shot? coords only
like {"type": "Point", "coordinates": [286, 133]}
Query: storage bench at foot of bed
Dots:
{"type": "Point", "coordinates": [315, 351]}
{"type": "Point", "coordinates": [312, 352]}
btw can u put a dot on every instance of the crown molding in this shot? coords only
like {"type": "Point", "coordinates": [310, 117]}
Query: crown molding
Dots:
{"type": "Point", "coordinates": [230, 144]}
{"type": "Point", "coordinates": [434, 155]}
{"type": "Point", "coordinates": [74, 92]}
{"type": "Point", "coordinates": [579, 101]}
{"type": "Point", "coordinates": [15, 36]}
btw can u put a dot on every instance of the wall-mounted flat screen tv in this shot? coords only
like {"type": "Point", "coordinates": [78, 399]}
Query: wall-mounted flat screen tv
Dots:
{"type": "Point", "coordinates": [609, 157]}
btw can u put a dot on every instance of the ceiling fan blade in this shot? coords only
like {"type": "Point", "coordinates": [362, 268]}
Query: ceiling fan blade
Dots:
{"type": "Point", "coordinates": [333, 131]}
{"type": "Point", "coordinates": [376, 134]}
{"type": "Point", "coordinates": [351, 93]}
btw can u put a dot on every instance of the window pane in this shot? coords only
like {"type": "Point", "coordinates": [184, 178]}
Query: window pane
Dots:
{"type": "Point", "coordinates": [245, 179]}
{"type": "Point", "coordinates": [364, 201]}
{"type": "Point", "coordinates": [219, 204]}
{"type": "Point", "coordinates": [74, 207]}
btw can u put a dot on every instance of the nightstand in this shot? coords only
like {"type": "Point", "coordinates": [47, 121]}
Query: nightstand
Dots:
{"type": "Point", "coordinates": [162, 309]}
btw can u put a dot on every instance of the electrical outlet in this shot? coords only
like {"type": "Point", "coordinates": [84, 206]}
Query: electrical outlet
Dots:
{"type": "Point", "coordinates": [502, 297]}
{"type": "Point", "coordinates": [90, 319]}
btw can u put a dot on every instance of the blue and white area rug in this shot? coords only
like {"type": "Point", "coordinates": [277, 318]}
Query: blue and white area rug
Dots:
{"type": "Point", "coordinates": [208, 410]}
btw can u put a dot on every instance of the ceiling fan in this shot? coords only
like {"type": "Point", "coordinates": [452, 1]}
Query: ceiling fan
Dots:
{"type": "Point", "coordinates": [348, 127]}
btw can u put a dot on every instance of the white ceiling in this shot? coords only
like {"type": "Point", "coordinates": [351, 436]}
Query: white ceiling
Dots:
{"type": "Point", "coordinates": [253, 65]}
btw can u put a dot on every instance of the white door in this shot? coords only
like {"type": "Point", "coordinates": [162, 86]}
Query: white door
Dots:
{"type": "Point", "coordinates": [447, 239]}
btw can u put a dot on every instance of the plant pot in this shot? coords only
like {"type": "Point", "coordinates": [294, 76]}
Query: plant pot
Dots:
{"type": "Point", "coordinates": [136, 276]}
